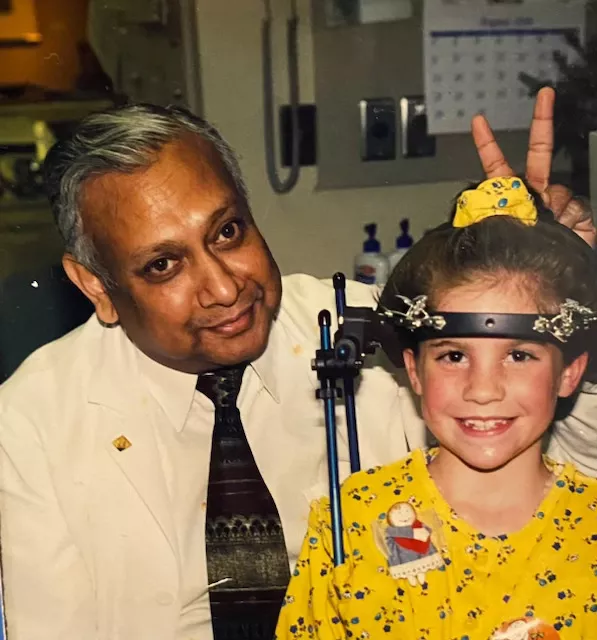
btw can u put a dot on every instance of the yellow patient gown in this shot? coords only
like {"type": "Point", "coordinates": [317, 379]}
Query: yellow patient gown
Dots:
{"type": "Point", "coordinates": [414, 571]}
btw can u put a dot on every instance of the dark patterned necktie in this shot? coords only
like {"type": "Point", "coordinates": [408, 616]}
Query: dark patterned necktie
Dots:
{"type": "Point", "coordinates": [247, 560]}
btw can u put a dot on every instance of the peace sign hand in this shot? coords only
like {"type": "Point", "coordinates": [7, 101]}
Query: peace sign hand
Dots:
{"type": "Point", "coordinates": [571, 211]}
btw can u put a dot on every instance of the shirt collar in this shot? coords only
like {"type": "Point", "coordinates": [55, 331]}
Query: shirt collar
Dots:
{"type": "Point", "coordinates": [175, 390]}
{"type": "Point", "coordinates": [266, 366]}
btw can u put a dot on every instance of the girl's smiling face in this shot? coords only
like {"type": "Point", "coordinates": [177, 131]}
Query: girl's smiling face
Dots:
{"type": "Point", "coordinates": [488, 400]}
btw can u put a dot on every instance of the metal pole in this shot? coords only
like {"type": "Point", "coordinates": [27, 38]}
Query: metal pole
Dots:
{"type": "Point", "coordinates": [328, 395]}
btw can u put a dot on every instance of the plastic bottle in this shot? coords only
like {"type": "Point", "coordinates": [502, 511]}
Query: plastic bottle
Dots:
{"type": "Point", "coordinates": [371, 266]}
{"type": "Point", "coordinates": [403, 243]}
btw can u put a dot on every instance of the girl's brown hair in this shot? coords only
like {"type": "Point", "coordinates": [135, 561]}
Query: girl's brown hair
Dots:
{"type": "Point", "coordinates": [555, 262]}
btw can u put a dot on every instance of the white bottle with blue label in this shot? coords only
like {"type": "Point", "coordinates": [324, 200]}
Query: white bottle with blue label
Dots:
{"type": "Point", "coordinates": [371, 266]}
{"type": "Point", "coordinates": [403, 243]}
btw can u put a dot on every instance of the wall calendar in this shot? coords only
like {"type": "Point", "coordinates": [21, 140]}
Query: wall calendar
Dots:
{"type": "Point", "coordinates": [475, 50]}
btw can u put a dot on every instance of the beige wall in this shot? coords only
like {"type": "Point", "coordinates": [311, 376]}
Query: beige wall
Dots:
{"type": "Point", "coordinates": [308, 230]}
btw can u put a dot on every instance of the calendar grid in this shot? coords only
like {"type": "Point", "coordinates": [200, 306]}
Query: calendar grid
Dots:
{"type": "Point", "coordinates": [474, 59]}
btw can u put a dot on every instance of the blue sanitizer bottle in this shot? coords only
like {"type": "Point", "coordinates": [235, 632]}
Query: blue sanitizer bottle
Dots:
{"type": "Point", "coordinates": [403, 243]}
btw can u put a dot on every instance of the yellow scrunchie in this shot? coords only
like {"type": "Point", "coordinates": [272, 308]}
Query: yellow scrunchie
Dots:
{"type": "Point", "coordinates": [496, 197]}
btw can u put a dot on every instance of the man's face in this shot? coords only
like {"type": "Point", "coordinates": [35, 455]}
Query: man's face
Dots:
{"type": "Point", "coordinates": [196, 286]}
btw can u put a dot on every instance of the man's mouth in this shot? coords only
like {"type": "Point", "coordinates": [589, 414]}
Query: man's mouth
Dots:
{"type": "Point", "coordinates": [236, 324]}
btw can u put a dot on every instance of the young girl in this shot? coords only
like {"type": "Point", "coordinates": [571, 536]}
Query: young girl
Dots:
{"type": "Point", "coordinates": [482, 537]}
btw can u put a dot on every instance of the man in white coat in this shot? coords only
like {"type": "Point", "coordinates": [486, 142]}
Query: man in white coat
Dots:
{"type": "Point", "coordinates": [107, 436]}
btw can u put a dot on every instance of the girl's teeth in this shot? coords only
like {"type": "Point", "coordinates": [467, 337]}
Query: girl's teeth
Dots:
{"type": "Point", "coordinates": [484, 425]}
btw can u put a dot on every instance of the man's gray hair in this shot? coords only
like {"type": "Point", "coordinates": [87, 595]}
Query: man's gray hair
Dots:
{"type": "Point", "coordinates": [122, 140]}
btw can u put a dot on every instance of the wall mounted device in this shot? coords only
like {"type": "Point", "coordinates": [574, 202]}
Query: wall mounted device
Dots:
{"type": "Point", "coordinates": [307, 135]}
{"type": "Point", "coordinates": [378, 129]}
{"type": "Point", "coordinates": [416, 142]}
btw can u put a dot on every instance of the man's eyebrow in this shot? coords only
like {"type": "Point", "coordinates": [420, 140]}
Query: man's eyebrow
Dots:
{"type": "Point", "coordinates": [232, 203]}
{"type": "Point", "coordinates": [155, 249]}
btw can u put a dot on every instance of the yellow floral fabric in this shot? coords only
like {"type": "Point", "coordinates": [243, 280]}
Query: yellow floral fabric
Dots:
{"type": "Point", "coordinates": [495, 197]}
{"type": "Point", "coordinates": [415, 571]}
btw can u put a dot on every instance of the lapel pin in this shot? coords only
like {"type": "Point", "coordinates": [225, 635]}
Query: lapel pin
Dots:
{"type": "Point", "coordinates": [122, 443]}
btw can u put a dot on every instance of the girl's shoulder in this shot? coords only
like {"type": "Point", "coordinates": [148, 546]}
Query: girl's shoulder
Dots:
{"type": "Point", "coordinates": [579, 487]}
{"type": "Point", "coordinates": [568, 473]}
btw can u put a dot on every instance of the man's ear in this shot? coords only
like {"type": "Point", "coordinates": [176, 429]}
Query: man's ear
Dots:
{"type": "Point", "coordinates": [93, 288]}
{"type": "Point", "coordinates": [572, 375]}
{"type": "Point", "coordinates": [410, 362]}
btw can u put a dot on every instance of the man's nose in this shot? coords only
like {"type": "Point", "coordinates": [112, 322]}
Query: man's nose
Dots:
{"type": "Point", "coordinates": [219, 286]}
{"type": "Point", "coordinates": [485, 384]}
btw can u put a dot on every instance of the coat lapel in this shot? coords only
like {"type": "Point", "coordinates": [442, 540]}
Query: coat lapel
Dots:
{"type": "Point", "coordinates": [129, 438]}
{"type": "Point", "coordinates": [141, 464]}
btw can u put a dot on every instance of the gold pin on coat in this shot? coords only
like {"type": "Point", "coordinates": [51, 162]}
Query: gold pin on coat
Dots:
{"type": "Point", "coordinates": [122, 443]}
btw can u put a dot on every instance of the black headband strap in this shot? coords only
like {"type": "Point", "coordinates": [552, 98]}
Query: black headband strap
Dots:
{"type": "Point", "coordinates": [424, 324]}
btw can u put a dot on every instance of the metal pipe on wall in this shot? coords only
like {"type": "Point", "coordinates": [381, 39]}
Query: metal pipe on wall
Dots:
{"type": "Point", "coordinates": [278, 184]}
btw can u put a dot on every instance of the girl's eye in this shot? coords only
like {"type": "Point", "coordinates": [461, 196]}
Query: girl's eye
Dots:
{"type": "Point", "coordinates": [231, 230]}
{"type": "Point", "coordinates": [453, 357]}
{"type": "Point", "coordinates": [521, 356]}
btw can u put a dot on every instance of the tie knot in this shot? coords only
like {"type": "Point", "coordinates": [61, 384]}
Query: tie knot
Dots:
{"type": "Point", "coordinates": [222, 386]}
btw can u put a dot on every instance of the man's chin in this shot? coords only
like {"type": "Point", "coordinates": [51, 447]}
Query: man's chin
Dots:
{"type": "Point", "coordinates": [243, 349]}
{"type": "Point", "coordinates": [232, 360]}
{"type": "Point", "coordinates": [211, 359]}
